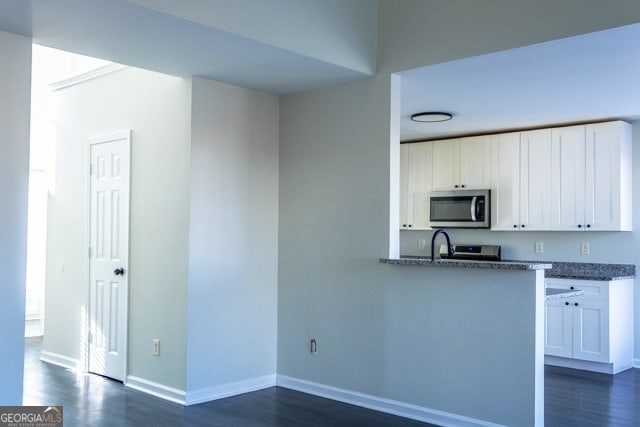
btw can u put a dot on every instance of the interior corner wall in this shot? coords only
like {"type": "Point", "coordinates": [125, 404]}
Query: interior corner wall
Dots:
{"type": "Point", "coordinates": [15, 86]}
{"type": "Point", "coordinates": [156, 108]}
{"type": "Point", "coordinates": [233, 245]}
{"type": "Point", "coordinates": [334, 216]}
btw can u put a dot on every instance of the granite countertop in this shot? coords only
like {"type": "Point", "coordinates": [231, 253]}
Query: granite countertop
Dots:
{"type": "Point", "coordinates": [591, 271]}
{"type": "Point", "coordinates": [450, 263]}
{"type": "Point", "coordinates": [558, 270]}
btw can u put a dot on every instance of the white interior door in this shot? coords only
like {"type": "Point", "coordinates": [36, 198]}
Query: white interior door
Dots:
{"type": "Point", "coordinates": [108, 254]}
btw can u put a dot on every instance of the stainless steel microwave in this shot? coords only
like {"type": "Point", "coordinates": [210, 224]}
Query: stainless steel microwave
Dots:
{"type": "Point", "coordinates": [460, 209]}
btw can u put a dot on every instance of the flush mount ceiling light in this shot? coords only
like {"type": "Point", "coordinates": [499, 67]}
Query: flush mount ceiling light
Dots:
{"type": "Point", "coordinates": [431, 116]}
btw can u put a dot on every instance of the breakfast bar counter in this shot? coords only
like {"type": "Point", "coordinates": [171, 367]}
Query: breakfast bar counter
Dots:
{"type": "Point", "coordinates": [474, 346]}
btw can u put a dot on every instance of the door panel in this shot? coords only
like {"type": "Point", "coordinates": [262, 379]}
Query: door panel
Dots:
{"type": "Point", "coordinates": [591, 334]}
{"type": "Point", "coordinates": [109, 248]}
{"type": "Point", "coordinates": [558, 330]}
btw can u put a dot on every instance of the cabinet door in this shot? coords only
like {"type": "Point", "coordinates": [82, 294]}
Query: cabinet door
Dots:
{"type": "Point", "coordinates": [475, 163]}
{"type": "Point", "coordinates": [558, 328]}
{"type": "Point", "coordinates": [505, 181]}
{"type": "Point", "coordinates": [420, 183]}
{"type": "Point", "coordinates": [415, 185]}
{"type": "Point", "coordinates": [591, 331]}
{"type": "Point", "coordinates": [535, 180]}
{"type": "Point", "coordinates": [405, 201]}
{"type": "Point", "coordinates": [603, 173]}
{"type": "Point", "coordinates": [568, 177]}
{"type": "Point", "coordinates": [446, 173]}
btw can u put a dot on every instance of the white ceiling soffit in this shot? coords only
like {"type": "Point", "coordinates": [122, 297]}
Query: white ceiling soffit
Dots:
{"type": "Point", "coordinates": [128, 33]}
{"type": "Point", "coordinates": [577, 79]}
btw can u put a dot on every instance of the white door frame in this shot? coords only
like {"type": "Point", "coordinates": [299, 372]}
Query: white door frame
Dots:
{"type": "Point", "coordinates": [85, 344]}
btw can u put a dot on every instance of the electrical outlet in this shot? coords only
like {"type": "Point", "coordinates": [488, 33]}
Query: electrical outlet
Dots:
{"type": "Point", "coordinates": [156, 347]}
{"type": "Point", "coordinates": [422, 243]}
{"type": "Point", "coordinates": [584, 248]}
{"type": "Point", "coordinates": [313, 346]}
{"type": "Point", "coordinates": [539, 247]}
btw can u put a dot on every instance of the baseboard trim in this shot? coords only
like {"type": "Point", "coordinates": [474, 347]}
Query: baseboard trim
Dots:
{"type": "Point", "coordinates": [602, 368]}
{"type": "Point", "coordinates": [230, 389]}
{"type": "Point", "coordinates": [155, 389]}
{"type": "Point", "coordinates": [444, 419]}
{"type": "Point", "coordinates": [60, 360]}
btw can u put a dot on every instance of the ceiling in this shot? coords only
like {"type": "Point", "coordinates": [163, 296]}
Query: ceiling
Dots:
{"type": "Point", "coordinates": [131, 32]}
{"type": "Point", "coordinates": [585, 78]}
{"type": "Point", "coordinates": [578, 79]}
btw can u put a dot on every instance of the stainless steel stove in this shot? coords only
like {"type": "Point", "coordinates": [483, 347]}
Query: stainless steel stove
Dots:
{"type": "Point", "coordinates": [472, 252]}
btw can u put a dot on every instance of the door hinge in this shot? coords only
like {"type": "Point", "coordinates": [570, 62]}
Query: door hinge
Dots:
{"type": "Point", "coordinates": [89, 251]}
{"type": "Point", "coordinates": [90, 337]}
{"type": "Point", "coordinates": [90, 169]}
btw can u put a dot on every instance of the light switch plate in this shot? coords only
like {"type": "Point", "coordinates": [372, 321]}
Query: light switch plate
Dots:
{"type": "Point", "coordinates": [539, 247]}
{"type": "Point", "coordinates": [584, 248]}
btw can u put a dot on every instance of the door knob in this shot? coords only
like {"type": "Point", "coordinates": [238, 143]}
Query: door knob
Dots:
{"type": "Point", "coordinates": [119, 271]}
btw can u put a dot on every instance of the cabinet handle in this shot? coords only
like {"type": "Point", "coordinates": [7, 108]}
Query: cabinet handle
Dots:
{"type": "Point", "coordinates": [455, 186]}
{"type": "Point", "coordinates": [462, 186]}
{"type": "Point", "coordinates": [522, 225]}
{"type": "Point", "coordinates": [515, 225]}
{"type": "Point", "coordinates": [576, 304]}
{"type": "Point", "coordinates": [588, 225]}
{"type": "Point", "coordinates": [410, 225]}
{"type": "Point", "coordinates": [572, 288]}
{"type": "Point", "coordinates": [566, 303]}
{"type": "Point", "coordinates": [404, 225]}
{"type": "Point", "coordinates": [579, 225]}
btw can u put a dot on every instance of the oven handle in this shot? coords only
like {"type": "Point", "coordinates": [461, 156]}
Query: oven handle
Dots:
{"type": "Point", "coordinates": [473, 208]}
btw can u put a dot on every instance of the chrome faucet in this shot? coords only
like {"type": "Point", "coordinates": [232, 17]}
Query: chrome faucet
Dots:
{"type": "Point", "coordinates": [433, 241]}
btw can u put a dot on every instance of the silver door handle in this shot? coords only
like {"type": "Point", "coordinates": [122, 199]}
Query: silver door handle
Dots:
{"type": "Point", "coordinates": [474, 199]}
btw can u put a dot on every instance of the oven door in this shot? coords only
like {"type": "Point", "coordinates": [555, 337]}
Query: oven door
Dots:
{"type": "Point", "coordinates": [459, 209]}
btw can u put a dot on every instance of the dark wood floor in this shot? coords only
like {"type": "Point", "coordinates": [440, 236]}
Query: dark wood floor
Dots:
{"type": "Point", "coordinates": [572, 398]}
{"type": "Point", "coordinates": [90, 400]}
{"type": "Point", "coordinates": [583, 399]}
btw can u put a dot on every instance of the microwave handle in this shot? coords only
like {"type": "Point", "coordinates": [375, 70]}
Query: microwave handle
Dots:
{"type": "Point", "coordinates": [474, 200]}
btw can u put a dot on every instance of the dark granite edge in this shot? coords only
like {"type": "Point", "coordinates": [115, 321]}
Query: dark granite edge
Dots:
{"type": "Point", "coordinates": [594, 278]}
{"type": "Point", "coordinates": [591, 271]}
{"type": "Point", "coordinates": [486, 265]}
{"type": "Point", "coordinates": [556, 270]}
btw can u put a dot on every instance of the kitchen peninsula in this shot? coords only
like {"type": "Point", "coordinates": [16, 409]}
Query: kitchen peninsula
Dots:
{"type": "Point", "coordinates": [475, 347]}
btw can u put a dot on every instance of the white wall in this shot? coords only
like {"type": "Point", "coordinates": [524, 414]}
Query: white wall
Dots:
{"type": "Point", "coordinates": [334, 185]}
{"type": "Point", "coordinates": [156, 108]}
{"type": "Point", "coordinates": [233, 247]}
{"type": "Point", "coordinates": [334, 216]}
{"type": "Point", "coordinates": [15, 84]}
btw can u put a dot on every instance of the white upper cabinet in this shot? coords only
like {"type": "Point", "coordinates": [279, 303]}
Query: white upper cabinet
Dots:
{"type": "Point", "coordinates": [535, 180]}
{"type": "Point", "coordinates": [462, 164]}
{"type": "Point", "coordinates": [505, 181]}
{"type": "Point", "coordinates": [608, 176]}
{"type": "Point", "coordinates": [570, 178]}
{"type": "Point", "coordinates": [415, 185]}
{"type": "Point", "coordinates": [591, 177]}
{"type": "Point", "coordinates": [521, 180]}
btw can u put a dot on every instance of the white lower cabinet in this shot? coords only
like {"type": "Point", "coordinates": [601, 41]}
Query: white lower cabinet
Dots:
{"type": "Point", "coordinates": [593, 331]}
